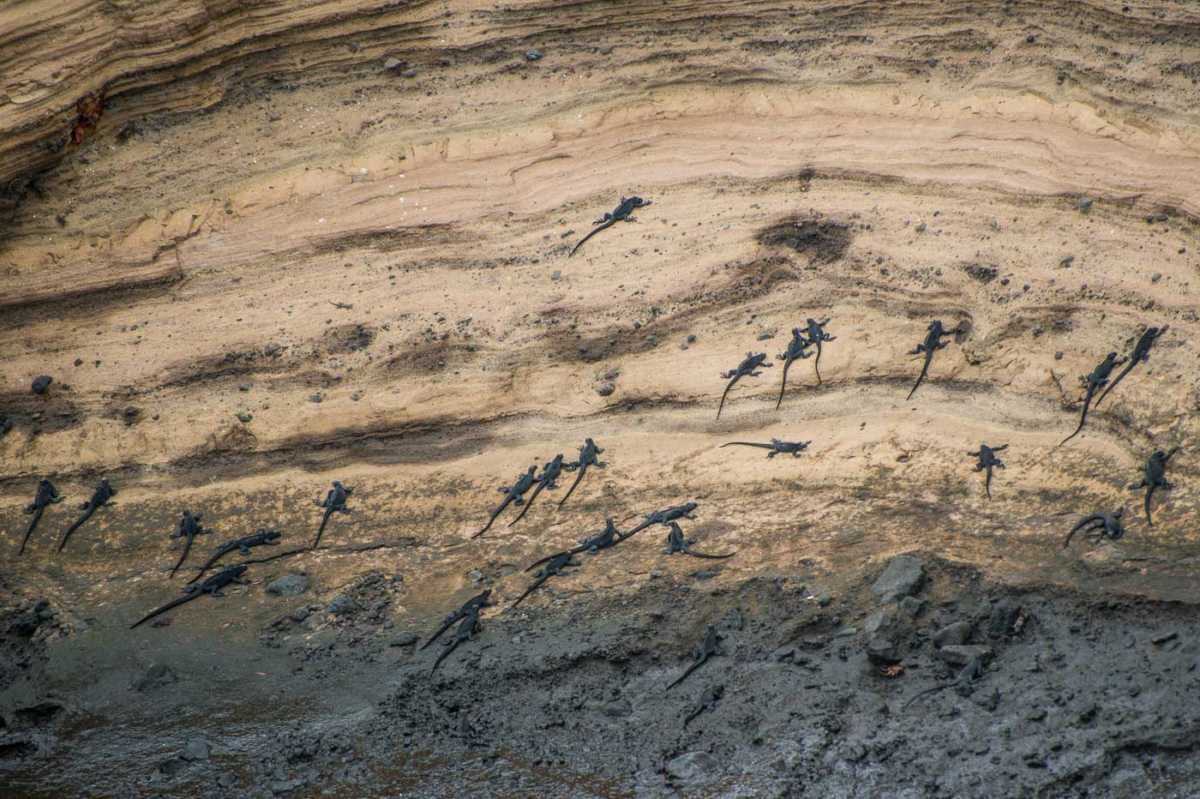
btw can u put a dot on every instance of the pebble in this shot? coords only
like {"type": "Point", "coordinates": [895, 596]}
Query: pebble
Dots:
{"type": "Point", "coordinates": [41, 383]}
{"type": "Point", "coordinates": [288, 585]}
{"type": "Point", "coordinates": [533, 55]}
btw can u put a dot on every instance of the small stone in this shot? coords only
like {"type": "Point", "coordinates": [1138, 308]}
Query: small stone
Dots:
{"type": "Point", "coordinates": [882, 651]}
{"type": "Point", "coordinates": [475, 575]}
{"type": "Point", "coordinates": [920, 228]}
{"type": "Point", "coordinates": [766, 335]}
{"type": "Point", "coordinates": [316, 398]}
{"type": "Point", "coordinates": [606, 388]}
{"type": "Point", "coordinates": [961, 654]}
{"type": "Point", "coordinates": [392, 64]}
{"type": "Point", "coordinates": [691, 339]}
{"type": "Point", "coordinates": [288, 585]}
{"type": "Point", "coordinates": [159, 675]}
{"type": "Point", "coordinates": [692, 767]}
{"type": "Point", "coordinates": [1157, 276]}
{"type": "Point", "coordinates": [952, 634]}
{"type": "Point", "coordinates": [403, 639]}
{"type": "Point", "coordinates": [824, 600]}
{"type": "Point", "coordinates": [1085, 204]}
{"type": "Point", "coordinates": [300, 614]}
{"type": "Point", "coordinates": [244, 417]}
{"type": "Point", "coordinates": [79, 361]}
{"type": "Point", "coordinates": [243, 387]}
{"type": "Point", "coordinates": [533, 55]}
{"type": "Point", "coordinates": [196, 749]}
{"type": "Point", "coordinates": [1066, 261]}
{"type": "Point", "coordinates": [342, 605]}
{"type": "Point", "coordinates": [903, 576]}
{"type": "Point", "coordinates": [912, 607]}
{"type": "Point", "coordinates": [1058, 356]}
{"type": "Point", "coordinates": [41, 383]}
{"type": "Point", "coordinates": [1003, 618]}
{"type": "Point", "coordinates": [556, 275]}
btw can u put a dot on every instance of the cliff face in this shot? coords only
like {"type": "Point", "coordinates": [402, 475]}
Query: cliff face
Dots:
{"type": "Point", "coordinates": [261, 246]}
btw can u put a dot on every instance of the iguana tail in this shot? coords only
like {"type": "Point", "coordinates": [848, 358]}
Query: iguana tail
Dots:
{"type": "Point", "coordinates": [571, 490]}
{"type": "Point", "coordinates": [745, 444]}
{"type": "Point", "coordinates": [208, 565]}
{"type": "Point", "coordinates": [1120, 376]}
{"type": "Point", "coordinates": [533, 587]}
{"type": "Point", "coordinates": [708, 557]}
{"type": "Point", "coordinates": [725, 394]}
{"type": "Point", "coordinates": [920, 377]}
{"type": "Point", "coordinates": [174, 603]}
{"type": "Point", "coordinates": [593, 232]}
{"type": "Point", "coordinates": [450, 648]}
{"type": "Point", "coordinates": [783, 386]}
{"type": "Point", "coordinates": [187, 547]}
{"type": "Point", "coordinates": [37, 515]}
{"type": "Point", "coordinates": [321, 529]}
{"type": "Point", "coordinates": [548, 558]}
{"type": "Point", "coordinates": [987, 484]}
{"type": "Point", "coordinates": [528, 503]}
{"type": "Point", "coordinates": [445, 626]}
{"type": "Point", "coordinates": [1149, 493]}
{"type": "Point", "coordinates": [817, 362]}
{"type": "Point", "coordinates": [686, 674]}
{"type": "Point", "coordinates": [1082, 418]}
{"type": "Point", "coordinates": [492, 520]}
{"type": "Point", "coordinates": [86, 515]}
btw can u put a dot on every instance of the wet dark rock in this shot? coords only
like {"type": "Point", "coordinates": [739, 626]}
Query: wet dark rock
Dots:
{"type": "Point", "coordinates": [961, 654]}
{"type": "Point", "coordinates": [824, 600]}
{"type": "Point", "coordinates": [404, 639]}
{"type": "Point", "coordinates": [15, 747]}
{"type": "Point", "coordinates": [984, 273]}
{"type": "Point", "coordinates": [953, 634]}
{"type": "Point", "coordinates": [882, 651]}
{"type": "Point", "coordinates": [692, 767]}
{"type": "Point", "coordinates": [1085, 204]}
{"type": "Point", "coordinates": [606, 388]}
{"type": "Point", "coordinates": [903, 576]}
{"type": "Point", "coordinates": [196, 749]}
{"type": "Point", "coordinates": [288, 585]}
{"type": "Point", "coordinates": [533, 55]}
{"type": "Point", "coordinates": [41, 383]}
{"type": "Point", "coordinates": [244, 417]}
{"type": "Point", "coordinates": [159, 675]}
{"type": "Point", "coordinates": [27, 623]}
{"type": "Point", "coordinates": [38, 715]}
{"type": "Point", "coordinates": [1002, 619]}
{"type": "Point", "coordinates": [300, 614]}
{"type": "Point", "coordinates": [343, 605]}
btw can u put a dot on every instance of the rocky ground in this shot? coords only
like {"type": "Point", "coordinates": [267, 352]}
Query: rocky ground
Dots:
{"type": "Point", "coordinates": [261, 249]}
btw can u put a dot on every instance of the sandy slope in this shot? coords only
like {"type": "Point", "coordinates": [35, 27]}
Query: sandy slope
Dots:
{"type": "Point", "coordinates": [1027, 171]}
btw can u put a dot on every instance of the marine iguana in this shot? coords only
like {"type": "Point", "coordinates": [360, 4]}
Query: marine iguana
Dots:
{"type": "Point", "coordinates": [796, 350]}
{"type": "Point", "coordinates": [708, 702]}
{"type": "Point", "coordinates": [472, 605]}
{"type": "Point", "coordinates": [212, 586]}
{"type": "Point", "coordinates": [260, 538]}
{"type": "Point", "coordinates": [104, 492]}
{"type": "Point", "coordinates": [676, 542]}
{"type": "Point", "coordinates": [547, 479]}
{"type": "Point", "coordinates": [816, 335]}
{"type": "Point", "coordinates": [622, 213]}
{"type": "Point", "coordinates": [603, 540]}
{"type": "Point", "coordinates": [188, 528]}
{"type": "Point", "coordinates": [1094, 382]}
{"type": "Point", "coordinates": [1141, 352]}
{"type": "Point", "coordinates": [511, 495]}
{"type": "Point", "coordinates": [5, 425]}
{"type": "Point", "coordinates": [776, 447]}
{"type": "Point", "coordinates": [1100, 524]}
{"type": "Point", "coordinates": [665, 516]}
{"type": "Point", "coordinates": [988, 460]}
{"type": "Point", "coordinates": [932, 343]}
{"type": "Point", "coordinates": [587, 458]}
{"type": "Point", "coordinates": [553, 568]}
{"type": "Point", "coordinates": [1155, 476]}
{"type": "Point", "coordinates": [749, 366]}
{"type": "Point", "coordinates": [45, 496]}
{"type": "Point", "coordinates": [335, 502]}
{"type": "Point", "coordinates": [969, 674]}
{"type": "Point", "coordinates": [708, 647]}
{"type": "Point", "coordinates": [467, 627]}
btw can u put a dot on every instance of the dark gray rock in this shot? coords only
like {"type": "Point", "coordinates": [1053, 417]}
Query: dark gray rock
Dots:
{"type": "Point", "coordinates": [404, 639]}
{"type": "Point", "coordinates": [159, 675]}
{"type": "Point", "coordinates": [1003, 617]}
{"type": "Point", "coordinates": [960, 654]}
{"type": "Point", "coordinates": [953, 634]}
{"type": "Point", "coordinates": [41, 383]}
{"type": "Point", "coordinates": [903, 576]}
{"type": "Point", "coordinates": [343, 605]}
{"type": "Point", "coordinates": [196, 749]}
{"type": "Point", "coordinates": [288, 585]}
{"type": "Point", "coordinates": [533, 55]}
{"type": "Point", "coordinates": [882, 651]}
{"type": "Point", "coordinates": [912, 607]}
{"type": "Point", "coordinates": [606, 388]}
